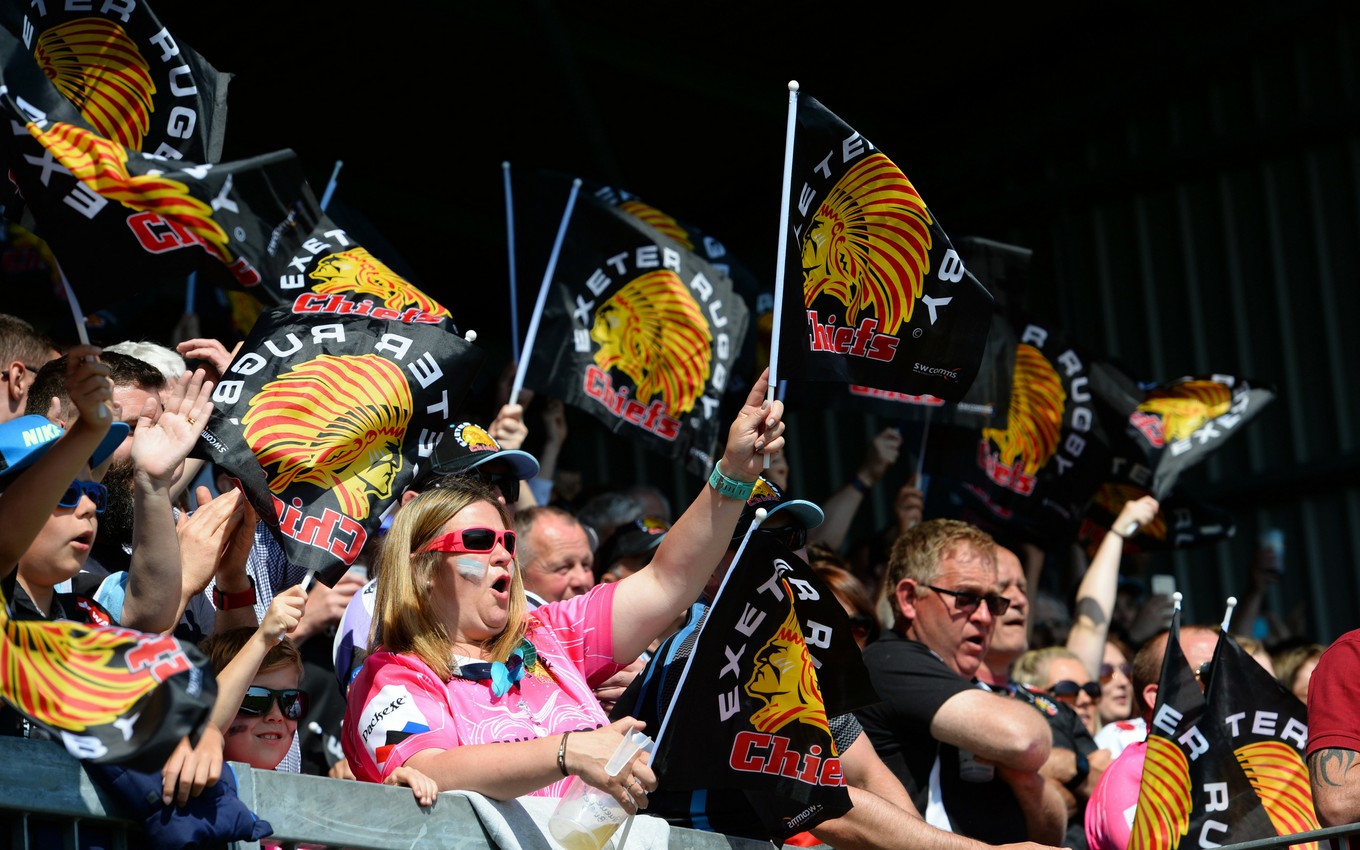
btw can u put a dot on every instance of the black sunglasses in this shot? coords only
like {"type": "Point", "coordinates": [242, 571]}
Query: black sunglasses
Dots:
{"type": "Point", "coordinates": [1107, 671]}
{"type": "Point", "coordinates": [292, 702]}
{"type": "Point", "coordinates": [792, 536]}
{"type": "Point", "coordinates": [98, 493]}
{"type": "Point", "coordinates": [1068, 690]}
{"type": "Point", "coordinates": [864, 627]}
{"type": "Point", "coordinates": [965, 600]}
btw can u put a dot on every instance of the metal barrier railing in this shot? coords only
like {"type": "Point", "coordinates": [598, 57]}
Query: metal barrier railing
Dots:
{"type": "Point", "coordinates": [47, 800]}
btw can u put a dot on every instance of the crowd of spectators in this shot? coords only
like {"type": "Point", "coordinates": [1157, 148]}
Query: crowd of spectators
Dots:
{"type": "Point", "coordinates": [1003, 705]}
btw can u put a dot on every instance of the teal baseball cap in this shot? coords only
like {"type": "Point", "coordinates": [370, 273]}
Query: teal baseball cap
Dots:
{"type": "Point", "coordinates": [27, 438]}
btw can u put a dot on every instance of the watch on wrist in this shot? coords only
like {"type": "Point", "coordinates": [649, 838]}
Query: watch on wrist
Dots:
{"type": "Point", "coordinates": [730, 487]}
{"type": "Point", "coordinates": [239, 599]}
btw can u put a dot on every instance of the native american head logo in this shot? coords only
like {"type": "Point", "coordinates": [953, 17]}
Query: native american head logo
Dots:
{"type": "Point", "coordinates": [1163, 798]}
{"type": "Point", "coordinates": [1280, 780]}
{"type": "Point", "coordinates": [1183, 408]}
{"type": "Point", "coordinates": [474, 438]}
{"type": "Point", "coordinates": [96, 66]}
{"type": "Point", "coordinates": [1035, 416]}
{"type": "Point", "coordinates": [785, 680]}
{"type": "Point", "coordinates": [653, 331]}
{"type": "Point", "coordinates": [102, 166]}
{"type": "Point", "coordinates": [337, 423]}
{"type": "Point", "coordinates": [356, 270]}
{"type": "Point", "coordinates": [868, 245]}
{"type": "Point", "coordinates": [659, 221]}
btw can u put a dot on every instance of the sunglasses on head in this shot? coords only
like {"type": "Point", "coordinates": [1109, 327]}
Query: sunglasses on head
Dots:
{"type": "Point", "coordinates": [473, 540]}
{"type": "Point", "coordinates": [98, 493]}
{"type": "Point", "coordinates": [1107, 671]}
{"type": "Point", "coordinates": [1068, 690]}
{"type": "Point", "coordinates": [965, 600]}
{"type": "Point", "coordinates": [792, 536]}
{"type": "Point", "coordinates": [292, 702]}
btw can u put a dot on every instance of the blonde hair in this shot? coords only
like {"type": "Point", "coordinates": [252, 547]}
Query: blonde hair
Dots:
{"type": "Point", "coordinates": [1032, 667]}
{"type": "Point", "coordinates": [404, 618]}
{"type": "Point", "coordinates": [917, 553]}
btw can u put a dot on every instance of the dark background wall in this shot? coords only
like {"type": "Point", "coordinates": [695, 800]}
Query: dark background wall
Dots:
{"type": "Point", "coordinates": [1187, 175]}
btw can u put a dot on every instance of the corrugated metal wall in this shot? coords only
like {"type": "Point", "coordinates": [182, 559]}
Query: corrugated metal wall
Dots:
{"type": "Point", "coordinates": [1198, 213]}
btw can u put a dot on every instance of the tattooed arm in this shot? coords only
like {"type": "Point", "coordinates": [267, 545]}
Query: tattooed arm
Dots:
{"type": "Point", "coordinates": [1334, 774]}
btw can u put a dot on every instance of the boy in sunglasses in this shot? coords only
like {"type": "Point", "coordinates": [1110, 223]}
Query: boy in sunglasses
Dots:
{"type": "Point", "coordinates": [969, 758]}
{"type": "Point", "coordinates": [50, 505]}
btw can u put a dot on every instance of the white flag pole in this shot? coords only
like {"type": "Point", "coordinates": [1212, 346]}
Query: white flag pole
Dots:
{"type": "Point", "coordinates": [81, 332]}
{"type": "Point", "coordinates": [510, 243]}
{"type": "Point", "coordinates": [1227, 615]}
{"type": "Point", "coordinates": [543, 293]}
{"type": "Point", "coordinates": [782, 253]}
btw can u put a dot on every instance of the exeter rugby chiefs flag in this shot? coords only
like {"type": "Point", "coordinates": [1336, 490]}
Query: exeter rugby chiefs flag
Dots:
{"type": "Point", "coordinates": [773, 660]}
{"type": "Point", "coordinates": [1037, 474]}
{"type": "Point", "coordinates": [129, 77]}
{"type": "Point", "coordinates": [874, 293]}
{"type": "Point", "coordinates": [639, 332]}
{"type": "Point", "coordinates": [1179, 423]}
{"type": "Point", "coordinates": [109, 694]}
{"type": "Point", "coordinates": [1224, 766]}
{"type": "Point", "coordinates": [325, 417]}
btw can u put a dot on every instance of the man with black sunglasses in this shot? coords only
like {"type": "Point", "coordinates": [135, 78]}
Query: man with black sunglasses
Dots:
{"type": "Point", "coordinates": [969, 758]}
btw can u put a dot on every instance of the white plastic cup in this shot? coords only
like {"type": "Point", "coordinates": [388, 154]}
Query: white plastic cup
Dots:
{"type": "Point", "coordinates": [587, 817]}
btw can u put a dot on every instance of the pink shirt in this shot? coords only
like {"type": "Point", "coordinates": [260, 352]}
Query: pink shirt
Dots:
{"type": "Point", "coordinates": [1110, 811]}
{"type": "Point", "coordinates": [397, 706]}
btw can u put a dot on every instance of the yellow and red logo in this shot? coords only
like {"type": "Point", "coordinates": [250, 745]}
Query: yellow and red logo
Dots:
{"type": "Point", "coordinates": [785, 679]}
{"type": "Point", "coordinates": [1111, 498]}
{"type": "Point", "coordinates": [658, 220]}
{"type": "Point", "coordinates": [1163, 816]}
{"type": "Point", "coordinates": [1280, 780]}
{"type": "Point", "coordinates": [96, 66]}
{"type": "Point", "coordinates": [1184, 408]}
{"type": "Point", "coordinates": [337, 423]}
{"type": "Point", "coordinates": [653, 331]}
{"type": "Point", "coordinates": [474, 438]}
{"type": "Point", "coordinates": [1013, 457]}
{"type": "Point", "coordinates": [356, 270]}
{"type": "Point", "coordinates": [868, 245]}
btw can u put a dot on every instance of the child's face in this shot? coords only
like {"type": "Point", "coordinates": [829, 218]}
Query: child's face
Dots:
{"type": "Point", "coordinates": [63, 543]}
{"type": "Point", "coordinates": [263, 741]}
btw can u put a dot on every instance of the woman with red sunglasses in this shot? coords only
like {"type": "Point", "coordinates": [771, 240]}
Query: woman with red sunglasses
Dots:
{"type": "Point", "coordinates": [469, 686]}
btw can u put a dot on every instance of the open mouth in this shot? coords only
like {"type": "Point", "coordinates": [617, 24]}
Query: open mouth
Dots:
{"type": "Point", "coordinates": [84, 540]}
{"type": "Point", "coordinates": [501, 585]}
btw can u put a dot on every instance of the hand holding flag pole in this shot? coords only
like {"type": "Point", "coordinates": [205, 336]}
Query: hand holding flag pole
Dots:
{"type": "Point", "coordinates": [543, 293]}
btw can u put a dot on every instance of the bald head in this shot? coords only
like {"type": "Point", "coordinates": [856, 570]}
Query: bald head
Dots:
{"type": "Point", "coordinates": [1197, 644]}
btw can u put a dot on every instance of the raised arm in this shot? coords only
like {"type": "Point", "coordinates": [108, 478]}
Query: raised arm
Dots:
{"type": "Point", "coordinates": [649, 600]}
{"type": "Point", "coordinates": [160, 443]}
{"type": "Point", "coordinates": [841, 507]}
{"type": "Point", "coordinates": [1096, 593]}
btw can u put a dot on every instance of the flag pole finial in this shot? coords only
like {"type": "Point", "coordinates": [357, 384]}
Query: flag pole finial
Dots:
{"type": "Point", "coordinates": [470, 336]}
{"type": "Point", "coordinates": [793, 85]}
{"type": "Point", "coordinates": [1227, 615]}
{"type": "Point", "coordinates": [1176, 600]}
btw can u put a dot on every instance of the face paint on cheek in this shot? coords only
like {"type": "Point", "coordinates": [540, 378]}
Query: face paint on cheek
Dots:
{"type": "Point", "coordinates": [470, 568]}
{"type": "Point", "coordinates": [237, 729]}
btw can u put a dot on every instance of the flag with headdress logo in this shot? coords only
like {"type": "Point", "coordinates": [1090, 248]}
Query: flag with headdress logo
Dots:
{"type": "Point", "coordinates": [254, 224]}
{"type": "Point", "coordinates": [640, 333]}
{"type": "Point", "coordinates": [109, 694]}
{"type": "Point", "coordinates": [874, 293]}
{"type": "Point", "coordinates": [127, 74]}
{"type": "Point", "coordinates": [1037, 474]}
{"type": "Point", "coordinates": [324, 419]}
{"type": "Point", "coordinates": [1179, 423]}
{"type": "Point", "coordinates": [1224, 765]}
{"type": "Point", "coordinates": [750, 713]}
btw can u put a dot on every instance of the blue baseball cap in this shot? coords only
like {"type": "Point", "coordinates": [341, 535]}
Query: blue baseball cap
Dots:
{"type": "Point", "coordinates": [24, 440]}
{"type": "Point", "coordinates": [768, 495]}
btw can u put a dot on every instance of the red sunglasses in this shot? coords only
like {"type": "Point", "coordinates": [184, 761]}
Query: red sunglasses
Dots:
{"type": "Point", "coordinates": [473, 540]}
